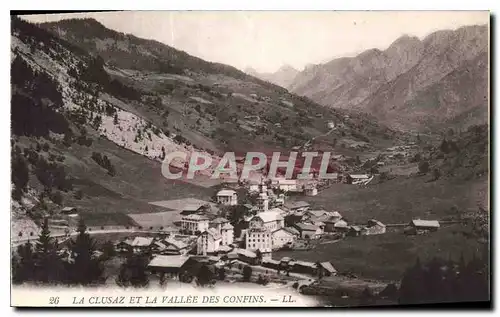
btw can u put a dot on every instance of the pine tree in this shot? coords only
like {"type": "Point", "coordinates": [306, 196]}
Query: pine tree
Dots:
{"type": "Point", "coordinates": [48, 265]}
{"type": "Point", "coordinates": [86, 269]}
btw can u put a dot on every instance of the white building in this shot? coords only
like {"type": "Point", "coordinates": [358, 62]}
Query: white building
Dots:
{"type": "Point", "coordinates": [287, 185]}
{"type": "Point", "coordinates": [194, 223]}
{"type": "Point", "coordinates": [227, 197]}
{"type": "Point", "coordinates": [227, 233]}
{"type": "Point", "coordinates": [283, 236]}
{"type": "Point", "coordinates": [208, 241]}
{"type": "Point", "coordinates": [271, 220]}
{"type": "Point", "coordinates": [259, 239]}
{"type": "Point", "coordinates": [311, 191]}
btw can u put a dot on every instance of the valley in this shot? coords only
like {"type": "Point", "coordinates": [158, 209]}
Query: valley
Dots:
{"type": "Point", "coordinates": [94, 113]}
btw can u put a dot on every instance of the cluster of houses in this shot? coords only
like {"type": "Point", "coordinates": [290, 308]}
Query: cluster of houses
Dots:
{"type": "Point", "coordinates": [268, 225]}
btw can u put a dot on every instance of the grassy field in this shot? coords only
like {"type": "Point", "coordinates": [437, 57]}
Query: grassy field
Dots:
{"type": "Point", "coordinates": [401, 199]}
{"type": "Point", "coordinates": [386, 257]}
{"type": "Point", "coordinates": [164, 219]}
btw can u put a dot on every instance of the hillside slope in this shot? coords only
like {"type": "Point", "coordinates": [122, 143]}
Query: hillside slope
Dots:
{"type": "Point", "coordinates": [413, 84]}
{"type": "Point", "coordinates": [211, 105]}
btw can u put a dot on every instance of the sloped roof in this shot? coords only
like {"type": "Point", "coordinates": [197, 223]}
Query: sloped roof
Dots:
{"type": "Point", "coordinates": [225, 248]}
{"type": "Point", "coordinates": [306, 227]}
{"type": "Point", "coordinates": [359, 176]}
{"type": "Point", "coordinates": [244, 252]}
{"type": "Point", "coordinates": [160, 245]}
{"type": "Point", "coordinates": [355, 228]}
{"type": "Point", "coordinates": [340, 224]}
{"type": "Point", "coordinates": [175, 261]}
{"type": "Point", "coordinates": [268, 216]}
{"type": "Point", "coordinates": [192, 207]}
{"type": "Point", "coordinates": [195, 217]}
{"type": "Point", "coordinates": [176, 243]}
{"type": "Point", "coordinates": [317, 213]}
{"type": "Point", "coordinates": [226, 192]}
{"type": "Point", "coordinates": [68, 209]}
{"type": "Point", "coordinates": [287, 230]}
{"type": "Point", "coordinates": [328, 266]}
{"type": "Point", "coordinates": [227, 226]}
{"type": "Point", "coordinates": [305, 263]}
{"type": "Point", "coordinates": [425, 223]}
{"type": "Point", "coordinates": [142, 242]}
{"type": "Point", "coordinates": [271, 261]}
{"type": "Point", "coordinates": [296, 204]}
{"type": "Point", "coordinates": [219, 220]}
{"type": "Point", "coordinates": [214, 233]}
{"type": "Point", "coordinates": [373, 222]}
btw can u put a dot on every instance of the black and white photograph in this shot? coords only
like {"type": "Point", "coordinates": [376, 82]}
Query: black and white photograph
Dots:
{"type": "Point", "coordinates": [250, 159]}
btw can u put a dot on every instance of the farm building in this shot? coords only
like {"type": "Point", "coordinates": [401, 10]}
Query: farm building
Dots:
{"type": "Point", "coordinates": [69, 210]}
{"type": "Point", "coordinates": [175, 247]}
{"type": "Point", "coordinates": [297, 206]}
{"type": "Point", "coordinates": [304, 267]}
{"type": "Point", "coordinates": [227, 197]}
{"type": "Point", "coordinates": [418, 226]}
{"type": "Point", "coordinates": [168, 264]}
{"type": "Point", "coordinates": [308, 231]}
{"type": "Point", "coordinates": [373, 227]}
{"type": "Point", "coordinates": [354, 231]}
{"type": "Point", "coordinates": [270, 263]}
{"type": "Point", "coordinates": [243, 255]}
{"type": "Point", "coordinates": [328, 268]}
{"type": "Point", "coordinates": [283, 236]}
{"type": "Point", "coordinates": [340, 226]}
{"type": "Point", "coordinates": [137, 245]}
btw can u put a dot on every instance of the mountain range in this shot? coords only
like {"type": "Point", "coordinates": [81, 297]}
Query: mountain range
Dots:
{"type": "Point", "coordinates": [95, 111]}
{"type": "Point", "coordinates": [427, 84]}
{"type": "Point", "coordinates": [283, 77]}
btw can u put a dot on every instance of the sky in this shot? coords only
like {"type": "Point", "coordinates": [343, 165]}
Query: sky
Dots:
{"type": "Point", "coordinates": [267, 40]}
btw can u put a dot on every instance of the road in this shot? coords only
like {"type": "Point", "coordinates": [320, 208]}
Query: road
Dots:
{"type": "Point", "coordinates": [93, 232]}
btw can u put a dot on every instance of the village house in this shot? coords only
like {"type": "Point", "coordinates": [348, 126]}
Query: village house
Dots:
{"type": "Point", "coordinates": [341, 226]}
{"type": "Point", "coordinates": [227, 197]}
{"type": "Point", "coordinates": [311, 191]}
{"type": "Point", "coordinates": [270, 263]}
{"type": "Point", "coordinates": [137, 244]}
{"type": "Point", "coordinates": [354, 231]}
{"type": "Point", "coordinates": [193, 224]}
{"type": "Point", "coordinates": [227, 233]}
{"type": "Point", "coordinates": [330, 125]}
{"type": "Point", "coordinates": [190, 209]}
{"type": "Point", "coordinates": [174, 247]}
{"type": "Point", "coordinates": [304, 267]}
{"type": "Point", "coordinates": [308, 231]}
{"type": "Point", "coordinates": [283, 236]}
{"type": "Point", "coordinates": [254, 186]}
{"type": "Point", "coordinates": [271, 220]}
{"type": "Point", "coordinates": [218, 223]}
{"type": "Point", "coordinates": [286, 185]}
{"type": "Point", "coordinates": [358, 179]}
{"type": "Point", "coordinates": [373, 227]}
{"type": "Point", "coordinates": [418, 226]}
{"type": "Point", "coordinates": [297, 206]}
{"type": "Point", "coordinates": [328, 268]}
{"type": "Point", "coordinates": [170, 265]}
{"type": "Point", "coordinates": [208, 242]}
{"type": "Point", "coordinates": [69, 211]}
{"type": "Point", "coordinates": [243, 255]}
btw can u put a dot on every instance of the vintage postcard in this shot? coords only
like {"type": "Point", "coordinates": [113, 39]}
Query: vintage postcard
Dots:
{"type": "Point", "coordinates": [250, 159]}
